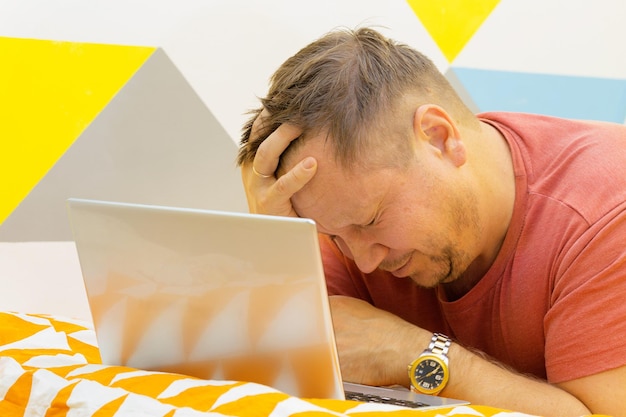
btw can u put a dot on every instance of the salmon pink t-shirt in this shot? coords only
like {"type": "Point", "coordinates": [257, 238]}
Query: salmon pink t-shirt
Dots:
{"type": "Point", "coordinates": [553, 304]}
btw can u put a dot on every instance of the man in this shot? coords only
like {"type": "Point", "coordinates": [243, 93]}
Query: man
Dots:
{"type": "Point", "coordinates": [494, 243]}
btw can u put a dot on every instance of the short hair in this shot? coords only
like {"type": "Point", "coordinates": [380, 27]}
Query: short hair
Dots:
{"type": "Point", "coordinates": [346, 85]}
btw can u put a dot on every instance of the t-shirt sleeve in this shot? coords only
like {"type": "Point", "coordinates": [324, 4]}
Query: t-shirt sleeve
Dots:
{"type": "Point", "coordinates": [585, 327]}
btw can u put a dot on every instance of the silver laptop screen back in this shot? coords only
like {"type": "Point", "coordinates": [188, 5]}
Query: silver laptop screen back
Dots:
{"type": "Point", "coordinates": [209, 294]}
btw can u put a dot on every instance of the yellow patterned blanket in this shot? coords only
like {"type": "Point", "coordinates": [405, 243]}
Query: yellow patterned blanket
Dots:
{"type": "Point", "coordinates": [50, 367]}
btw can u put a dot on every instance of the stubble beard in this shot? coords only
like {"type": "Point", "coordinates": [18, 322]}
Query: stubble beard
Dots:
{"type": "Point", "coordinates": [453, 261]}
{"type": "Point", "coordinates": [449, 267]}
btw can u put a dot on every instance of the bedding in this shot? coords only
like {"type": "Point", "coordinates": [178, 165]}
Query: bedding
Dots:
{"type": "Point", "coordinates": [50, 366]}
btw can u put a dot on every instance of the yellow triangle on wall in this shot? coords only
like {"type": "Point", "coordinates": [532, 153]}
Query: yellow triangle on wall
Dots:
{"type": "Point", "coordinates": [452, 23]}
{"type": "Point", "coordinates": [51, 91]}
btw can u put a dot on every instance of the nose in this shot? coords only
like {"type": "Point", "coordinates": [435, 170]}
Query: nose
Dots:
{"type": "Point", "coordinates": [367, 254]}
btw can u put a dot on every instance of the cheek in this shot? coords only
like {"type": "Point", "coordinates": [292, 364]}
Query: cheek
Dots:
{"type": "Point", "coordinates": [415, 227]}
{"type": "Point", "coordinates": [399, 236]}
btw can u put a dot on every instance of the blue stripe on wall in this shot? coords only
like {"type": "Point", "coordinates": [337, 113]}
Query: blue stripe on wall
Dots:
{"type": "Point", "coordinates": [564, 96]}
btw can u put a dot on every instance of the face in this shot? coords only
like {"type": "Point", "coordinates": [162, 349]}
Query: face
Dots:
{"type": "Point", "coordinates": [419, 222]}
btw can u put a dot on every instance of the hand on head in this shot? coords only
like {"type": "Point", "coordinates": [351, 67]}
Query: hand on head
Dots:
{"type": "Point", "coordinates": [265, 191]}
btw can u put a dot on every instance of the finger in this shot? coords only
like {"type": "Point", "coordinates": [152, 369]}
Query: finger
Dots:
{"type": "Point", "coordinates": [274, 196]}
{"type": "Point", "coordinates": [269, 152]}
{"type": "Point", "coordinates": [295, 179]}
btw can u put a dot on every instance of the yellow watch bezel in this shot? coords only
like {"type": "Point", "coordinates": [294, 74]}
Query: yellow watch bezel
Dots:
{"type": "Point", "coordinates": [446, 374]}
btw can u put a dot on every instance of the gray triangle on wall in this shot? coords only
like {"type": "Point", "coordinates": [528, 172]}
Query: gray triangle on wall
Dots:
{"type": "Point", "coordinates": [155, 142]}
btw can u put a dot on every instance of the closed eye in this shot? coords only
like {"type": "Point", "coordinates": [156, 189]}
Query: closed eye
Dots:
{"type": "Point", "coordinates": [371, 222]}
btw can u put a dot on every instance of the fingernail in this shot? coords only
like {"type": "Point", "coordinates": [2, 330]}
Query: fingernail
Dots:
{"type": "Point", "coordinates": [309, 163]}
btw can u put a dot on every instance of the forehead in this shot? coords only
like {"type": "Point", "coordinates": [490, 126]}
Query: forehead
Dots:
{"type": "Point", "coordinates": [336, 196]}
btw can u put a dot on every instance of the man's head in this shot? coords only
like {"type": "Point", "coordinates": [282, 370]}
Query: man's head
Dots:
{"type": "Point", "coordinates": [351, 86]}
{"type": "Point", "coordinates": [392, 186]}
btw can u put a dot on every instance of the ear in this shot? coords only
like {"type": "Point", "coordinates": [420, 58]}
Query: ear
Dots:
{"type": "Point", "coordinates": [434, 125]}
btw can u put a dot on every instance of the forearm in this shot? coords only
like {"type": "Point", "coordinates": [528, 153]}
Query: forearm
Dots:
{"type": "Point", "coordinates": [482, 381]}
{"type": "Point", "coordinates": [375, 348]}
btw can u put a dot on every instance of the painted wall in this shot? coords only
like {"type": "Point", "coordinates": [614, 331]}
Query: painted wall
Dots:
{"type": "Point", "coordinates": [228, 48]}
{"type": "Point", "coordinates": [544, 56]}
{"type": "Point", "coordinates": [549, 56]}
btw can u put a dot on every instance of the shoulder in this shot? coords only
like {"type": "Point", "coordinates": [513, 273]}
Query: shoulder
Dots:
{"type": "Point", "coordinates": [548, 136]}
{"type": "Point", "coordinates": [535, 124]}
{"type": "Point", "coordinates": [580, 164]}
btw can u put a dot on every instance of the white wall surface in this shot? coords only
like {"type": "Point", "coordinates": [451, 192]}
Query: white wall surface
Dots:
{"type": "Point", "coordinates": [42, 278]}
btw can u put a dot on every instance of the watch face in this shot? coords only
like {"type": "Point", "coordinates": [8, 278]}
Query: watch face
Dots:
{"type": "Point", "coordinates": [429, 374]}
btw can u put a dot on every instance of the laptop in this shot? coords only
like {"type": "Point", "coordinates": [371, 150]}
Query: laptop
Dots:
{"type": "Point", "coordinates": [215, 295]}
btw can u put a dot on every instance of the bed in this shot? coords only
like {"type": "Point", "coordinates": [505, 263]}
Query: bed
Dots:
{"type": "Point", "coordinates": [50, 366]}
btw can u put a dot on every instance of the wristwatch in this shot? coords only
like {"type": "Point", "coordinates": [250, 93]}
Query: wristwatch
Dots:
{"type": "Point", "coordinates": [429, 373]}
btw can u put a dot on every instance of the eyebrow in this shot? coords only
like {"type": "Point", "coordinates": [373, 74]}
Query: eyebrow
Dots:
{"type": "Point", "coordinates": [371, 220]}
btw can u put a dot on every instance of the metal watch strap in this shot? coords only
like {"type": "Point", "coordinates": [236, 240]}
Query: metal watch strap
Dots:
{"type": "Point", "coordinates": [439, 344]}
{"type": "Point", "coordinates": [438, 347]}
